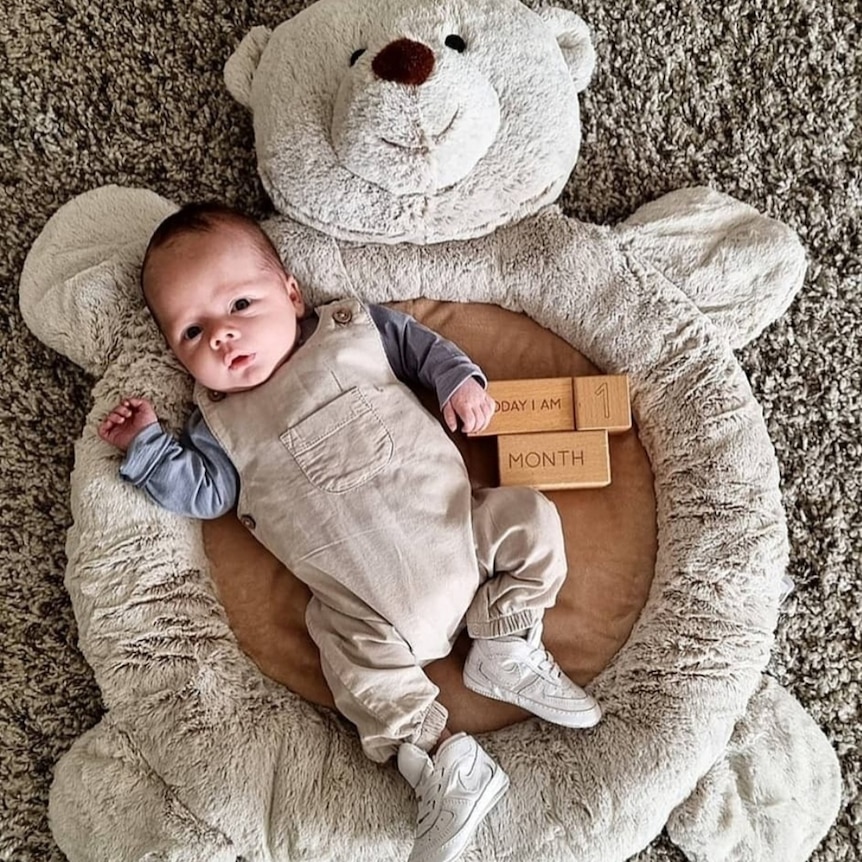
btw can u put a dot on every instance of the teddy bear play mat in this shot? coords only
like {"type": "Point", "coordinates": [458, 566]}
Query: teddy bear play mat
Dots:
{"type": "Point", "coordinates": [413, 152]}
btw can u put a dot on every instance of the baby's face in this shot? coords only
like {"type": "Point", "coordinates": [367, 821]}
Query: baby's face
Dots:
{"type": "Point", "coordinates": [229, 315]}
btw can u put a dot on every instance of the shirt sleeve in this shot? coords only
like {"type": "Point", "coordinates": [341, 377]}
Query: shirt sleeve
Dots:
{"type": "Point", "coordinates": [419, 355]}
{"type": "Point", "coordinates": [191, 476]}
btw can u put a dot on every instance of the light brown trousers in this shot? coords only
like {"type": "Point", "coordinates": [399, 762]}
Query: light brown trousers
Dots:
{"type": "Point", "coordinates": [354, 486]}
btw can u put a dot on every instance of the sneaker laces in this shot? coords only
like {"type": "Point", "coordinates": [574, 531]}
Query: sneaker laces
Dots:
{"type": "Point", "coordinates": [426, 805]}
{"type": "Point", "coordinates": [547, 664]}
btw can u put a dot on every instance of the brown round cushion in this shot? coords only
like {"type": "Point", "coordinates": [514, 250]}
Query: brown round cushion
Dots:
{"type": "Point", "coordinates": [610, 539]}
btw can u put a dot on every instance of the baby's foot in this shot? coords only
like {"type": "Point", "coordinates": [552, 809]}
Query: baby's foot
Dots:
{"type": "Point", "coordinates": [520, 670]}
{"type": "Point", "coordinates": [455, 791]}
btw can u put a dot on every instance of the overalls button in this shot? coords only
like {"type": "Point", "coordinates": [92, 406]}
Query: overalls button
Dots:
{"type": "Point", "coordinates": [342, 316]}
{"type": "Point", "coordinates": [247, 521]}
{"type": "Point", "coordinates": [215, 396]}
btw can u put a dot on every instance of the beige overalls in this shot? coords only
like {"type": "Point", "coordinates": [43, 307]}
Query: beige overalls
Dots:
{"type": "Point", "coordinates": [354, 486]}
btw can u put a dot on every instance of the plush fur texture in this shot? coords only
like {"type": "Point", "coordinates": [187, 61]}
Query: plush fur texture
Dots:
{"type": "Point", "coordinates": [193, 733]}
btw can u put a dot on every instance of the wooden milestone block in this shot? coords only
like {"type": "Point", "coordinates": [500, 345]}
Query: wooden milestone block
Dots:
{"type": "Point", "coordinates": [544, 404]}
{"type": "Point", "coordinates": [602, 402]}
{"type": "Point", "coordinates": [564, 459]}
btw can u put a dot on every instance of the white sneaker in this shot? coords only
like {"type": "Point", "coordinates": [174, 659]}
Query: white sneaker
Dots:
{"type": "Point", "coordinates": [455, 791]}
{"type": "Point", "coordinates": [520, 670]}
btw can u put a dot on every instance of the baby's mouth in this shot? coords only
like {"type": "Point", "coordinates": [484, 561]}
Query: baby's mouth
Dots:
{"type": "Point", "coordinates": [237, 363]}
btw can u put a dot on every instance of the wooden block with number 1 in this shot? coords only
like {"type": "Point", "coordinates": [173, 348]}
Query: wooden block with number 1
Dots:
{"type": "Point", "coordinates": [602, 401]}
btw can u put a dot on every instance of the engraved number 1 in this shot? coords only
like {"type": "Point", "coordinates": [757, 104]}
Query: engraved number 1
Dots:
{"type": "Point", "coordinates": [604, 394]}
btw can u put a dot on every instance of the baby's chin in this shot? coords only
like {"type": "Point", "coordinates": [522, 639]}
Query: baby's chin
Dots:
{"type": "Point", "coordinates": [241, 380]}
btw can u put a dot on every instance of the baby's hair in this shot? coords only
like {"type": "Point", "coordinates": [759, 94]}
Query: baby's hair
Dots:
{"type": "Point", "coordinates": [203, 217]}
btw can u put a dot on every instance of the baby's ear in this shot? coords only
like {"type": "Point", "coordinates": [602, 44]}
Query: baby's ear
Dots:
{"type": "Point", "coordinates": [79, 285]}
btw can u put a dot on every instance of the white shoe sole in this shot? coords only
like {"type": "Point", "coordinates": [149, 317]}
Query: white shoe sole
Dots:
{"type": "Point", "coordinates": [580, 719]}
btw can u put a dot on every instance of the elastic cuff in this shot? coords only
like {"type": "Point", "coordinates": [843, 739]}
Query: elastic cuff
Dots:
{"type": "Point", "coordinates": [432, 726]}
{"type": "Point", "coordinates": [144, 454]}
{"type": "Point", "coordinates": [502, 626]}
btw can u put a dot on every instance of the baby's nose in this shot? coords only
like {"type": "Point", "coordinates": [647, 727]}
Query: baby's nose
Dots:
{"type": "Point", "coordinates": [221, 334]}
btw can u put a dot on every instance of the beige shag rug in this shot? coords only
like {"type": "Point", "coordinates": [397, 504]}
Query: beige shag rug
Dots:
{"type": "Point", "coordinates": [759, 100]}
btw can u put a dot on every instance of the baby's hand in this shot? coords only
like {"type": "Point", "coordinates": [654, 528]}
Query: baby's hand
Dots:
{"type": "Point", "coordinates": [126, 421]}
{"type": "Point", "coordinates": [471, 404]}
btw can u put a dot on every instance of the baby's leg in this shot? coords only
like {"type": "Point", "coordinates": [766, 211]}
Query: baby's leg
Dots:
{"type": "Point", "coordinates": [375, 681]}
{"type": "Point", "coordinates": [377, 684]}
{"type": "Point", "coordinates": [521, 553]}
{"type": "Point", "coordinates": [522, 560]}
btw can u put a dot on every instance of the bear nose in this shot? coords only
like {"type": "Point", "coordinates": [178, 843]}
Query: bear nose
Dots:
{"type": "Point", "coordinates": [404, 62]}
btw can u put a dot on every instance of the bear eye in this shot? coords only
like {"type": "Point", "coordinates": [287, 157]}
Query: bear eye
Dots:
{"type": "Point", "coordinates": [356, 55]}
{"type": "Point", "coordinates": [456, 43]}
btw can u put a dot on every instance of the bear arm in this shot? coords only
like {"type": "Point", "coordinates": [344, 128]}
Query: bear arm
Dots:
{"type": "Point", "coordinates": [742, 269]}
{"type": "Point", "coordinates": [80, 278]}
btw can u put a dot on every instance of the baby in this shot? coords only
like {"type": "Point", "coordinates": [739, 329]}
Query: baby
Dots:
{"type": "Point", "coordinates": [305, 423]}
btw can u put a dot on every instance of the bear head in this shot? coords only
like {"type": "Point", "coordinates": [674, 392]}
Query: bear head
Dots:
{"type": "Point", "coordinates": [401, 122]}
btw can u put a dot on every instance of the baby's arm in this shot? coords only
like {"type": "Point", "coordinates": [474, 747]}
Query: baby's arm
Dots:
{"type": "Point", "coordinates": [419, 355]}
{"type": "Point", "coordinates": [191, 476]}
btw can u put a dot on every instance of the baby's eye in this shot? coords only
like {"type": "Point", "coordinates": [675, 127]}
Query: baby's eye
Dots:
{"type": "Point", "coordinates": [241, 304]}
{"type": "Point", "coordinates": [191, 333]}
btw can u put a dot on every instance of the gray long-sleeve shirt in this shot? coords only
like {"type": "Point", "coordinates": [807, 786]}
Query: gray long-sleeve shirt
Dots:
{"type": "Point", "coordinates": [193, 475]}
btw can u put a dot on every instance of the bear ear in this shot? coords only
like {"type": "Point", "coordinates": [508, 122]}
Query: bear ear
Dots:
{"type": "Point", "coordinates": [573, 37]}
{"type": "Point", "coordinates": [242, 64]}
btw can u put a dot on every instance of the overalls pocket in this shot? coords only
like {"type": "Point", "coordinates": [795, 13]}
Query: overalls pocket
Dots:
{"type": "Point", "coordinates": [341, 445]}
